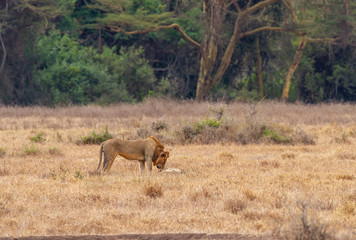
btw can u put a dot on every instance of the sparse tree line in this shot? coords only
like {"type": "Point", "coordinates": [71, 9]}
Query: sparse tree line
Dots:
{"type": "Point", "coordinates": [108, 51]}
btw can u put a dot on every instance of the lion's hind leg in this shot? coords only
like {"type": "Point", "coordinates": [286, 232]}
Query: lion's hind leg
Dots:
{"type": "Point", "coordinates": [108, 161]}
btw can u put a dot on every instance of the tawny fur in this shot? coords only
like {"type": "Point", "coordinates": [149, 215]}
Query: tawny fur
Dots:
{"type": "Point", "coordinates": [147, 151]}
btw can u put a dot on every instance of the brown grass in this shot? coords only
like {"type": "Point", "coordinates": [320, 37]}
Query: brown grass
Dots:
{"type": "Point", "coordinates": [153, 191]}
{"type": "Point", "coordinates": [50, 187]}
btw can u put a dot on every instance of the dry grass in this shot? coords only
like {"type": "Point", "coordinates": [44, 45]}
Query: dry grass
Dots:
{"type": "Point", "coordinates": [49, 187]}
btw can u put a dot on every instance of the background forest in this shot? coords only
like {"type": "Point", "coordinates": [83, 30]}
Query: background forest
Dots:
{"type": "Point", "coordinates": [107, 51]}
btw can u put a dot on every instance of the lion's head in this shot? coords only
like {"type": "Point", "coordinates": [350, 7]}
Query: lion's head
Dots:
{"type": "Point", "coordinates": [161, 160]}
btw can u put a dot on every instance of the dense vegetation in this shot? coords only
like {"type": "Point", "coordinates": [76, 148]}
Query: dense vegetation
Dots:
{"type": "Point", "coordinates": [108, 51]}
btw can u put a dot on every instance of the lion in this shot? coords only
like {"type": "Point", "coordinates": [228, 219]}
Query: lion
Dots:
{"type": "Point", "coordinates": [147, 151]}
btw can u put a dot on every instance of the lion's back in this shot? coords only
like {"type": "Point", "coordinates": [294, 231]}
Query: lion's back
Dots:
{"type": "Point", "coordinates": [134, 146]}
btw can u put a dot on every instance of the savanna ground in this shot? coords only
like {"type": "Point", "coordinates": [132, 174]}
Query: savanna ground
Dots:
{"type": "Point", "coordinates": [282, 170]}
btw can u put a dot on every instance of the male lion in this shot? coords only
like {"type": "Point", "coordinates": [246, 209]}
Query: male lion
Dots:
{"type": "Point", "coordinates": [147, 151]}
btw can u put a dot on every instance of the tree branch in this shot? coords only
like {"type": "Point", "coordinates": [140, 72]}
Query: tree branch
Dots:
{"type": "Point", "coordinates": [331, 40]}
{"type": "Point", "coordinates": [33, 8]}
{"type": "Point", "coordinates": [265, 28]}
{"type": "Point", "coordinates": [258, 6]}
{"type": "Point", "coordinates": [1, 40]}
{"type": "Point", "coordinates": [289, 6]}
{"type": "Point", "coordinates": [174, 26]}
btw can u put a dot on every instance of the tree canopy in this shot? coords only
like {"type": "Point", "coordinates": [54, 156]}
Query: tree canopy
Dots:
{"type": "Point", "coordinates": [107, 51]}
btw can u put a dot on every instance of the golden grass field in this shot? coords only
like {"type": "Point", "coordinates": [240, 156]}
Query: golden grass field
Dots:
{"type": "Point", "coordinates": [50, 188]}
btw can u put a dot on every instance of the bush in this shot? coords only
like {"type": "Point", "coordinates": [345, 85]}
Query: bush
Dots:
{"type": "Point", "coordinates": [2, 152]}
{"type": "Point", "coordinates": [30, 150]}
{"type": "Point", "coordinates": [95, 138]}
{"type": "Point", "coordinates": [208, 122]}
{"type": "Point", "coordinates": [38, 138]}
{"type": "Point", "coordinates": [68, 73]}
{"type": "Point", "coordinates": [159, 126]}
{"type": "Point", "coordinates": [224, 130]}
{"type": "Point", "coordinates": [275, 135]}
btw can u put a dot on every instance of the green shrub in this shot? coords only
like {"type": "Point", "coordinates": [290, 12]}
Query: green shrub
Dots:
{"type": "Point", "coordinates": [68, 73]}
{"type": "Point", "coordinates": [78, 175]}
{"type": "Point", "coordinates": [30, 150]}
{"type": "Point", "coordinates": [38, 138]}
{"type": "Point", "coordinates": [208, 122]}
{"type": "Point", "coordinates": [62, 174]}
{"type": "Point", "coordinates": [2, 152]}
{"type": "Point", "coordinates": [275, 136]}
{"type": "Point", "coordinates": [95, 138]}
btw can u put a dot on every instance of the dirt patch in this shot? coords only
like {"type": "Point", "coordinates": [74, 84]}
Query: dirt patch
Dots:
{"type": "Point", "coordinates": [180, 236]}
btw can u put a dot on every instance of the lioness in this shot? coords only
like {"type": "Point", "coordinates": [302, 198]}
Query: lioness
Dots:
{"type": "Point", "coordinates": [147, 151]}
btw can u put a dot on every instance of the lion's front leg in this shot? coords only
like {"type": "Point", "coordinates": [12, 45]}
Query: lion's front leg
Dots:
{"type": "Point", "coordinates": [142, 166]}
{"type": "Point", "coordinates": [148, 162]}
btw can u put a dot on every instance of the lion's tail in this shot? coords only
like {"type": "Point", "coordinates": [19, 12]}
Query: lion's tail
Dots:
{"type": "Point", "coordinates": [100, 155]}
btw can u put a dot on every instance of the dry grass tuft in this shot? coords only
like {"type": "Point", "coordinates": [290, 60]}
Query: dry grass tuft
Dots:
{"type": "Point", "coordinates": [159, 125]}
{"type": "Point", "coordinates": [345, 177]}
{"type": "Point", "coordinates": [349, 208]}
{"type": "Point", "coordinates": [226, 155]}
{"type": "Point", "coordinates": [153, 191]}
{"type": "Point", "coordinates": [250, 195]}
{"type": "Point", "coordinates": [200, 195]}
{"type": "Point", "coordinates": [288, 155]}
{"type": "Point", "coordinates": [305, 227]}
{"type": "Point", "coordinates": [235, 206]}
{"type": "Point", "coordinates": [4, 171]}
{"type": "Point", "coordinates": [54, 151]}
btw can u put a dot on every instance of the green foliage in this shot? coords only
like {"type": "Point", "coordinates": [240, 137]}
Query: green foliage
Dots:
{"type": "Point", "coordinates": [30, 150]}
{"type": "Point", "coordinates": [207, 122]}
{"type": "Point", "coordinates": [327, 74]}
{"type": "Point", "coordinates": [191, 22]}
{"type": "Point", "coordinates": [68, 73]}
{"type": "Point", "coordinates": [135, 72]}
{"type": "Point", "coordinates": [78, 175]}
{"type": "Point", "coordinates": [64, 174]}
{"type": "Point", "coordinates": [95, 138]}
{"type": "Point", "coordinates": [58, 69]}
{"type": "Point", "coordinates": [2, 152]}
{"type": "Point", "coordinates": [146, 6]}
{"type": "Point", "coordinates": [38, 138]}
{"type": "Point", "coordinates": [275, 136]}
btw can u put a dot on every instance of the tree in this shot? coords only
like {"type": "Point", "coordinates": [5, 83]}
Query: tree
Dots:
{"type": "Point", "coordinates": [22, 21]}
{"type": "Point", "coordinates": [215, 12]}
{"type": "Point", "coordinates": [69, 73]}
{"type": "Point", "coordinates": [218, 40]}
{"type": "Point", "coordinates": [315, 21]}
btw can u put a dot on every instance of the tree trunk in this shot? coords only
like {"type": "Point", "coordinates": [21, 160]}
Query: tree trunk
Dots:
{"type": "Point", "coordinates": [209, 48]}
{"type": "Point", "coordinates": [214, 11]}
{"type": "Point", "coordinates": [259, 79]}
{"type": "Point", "coordinates": [100, 42]}
{"type": "Point", "coordinates": [288, 78]}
